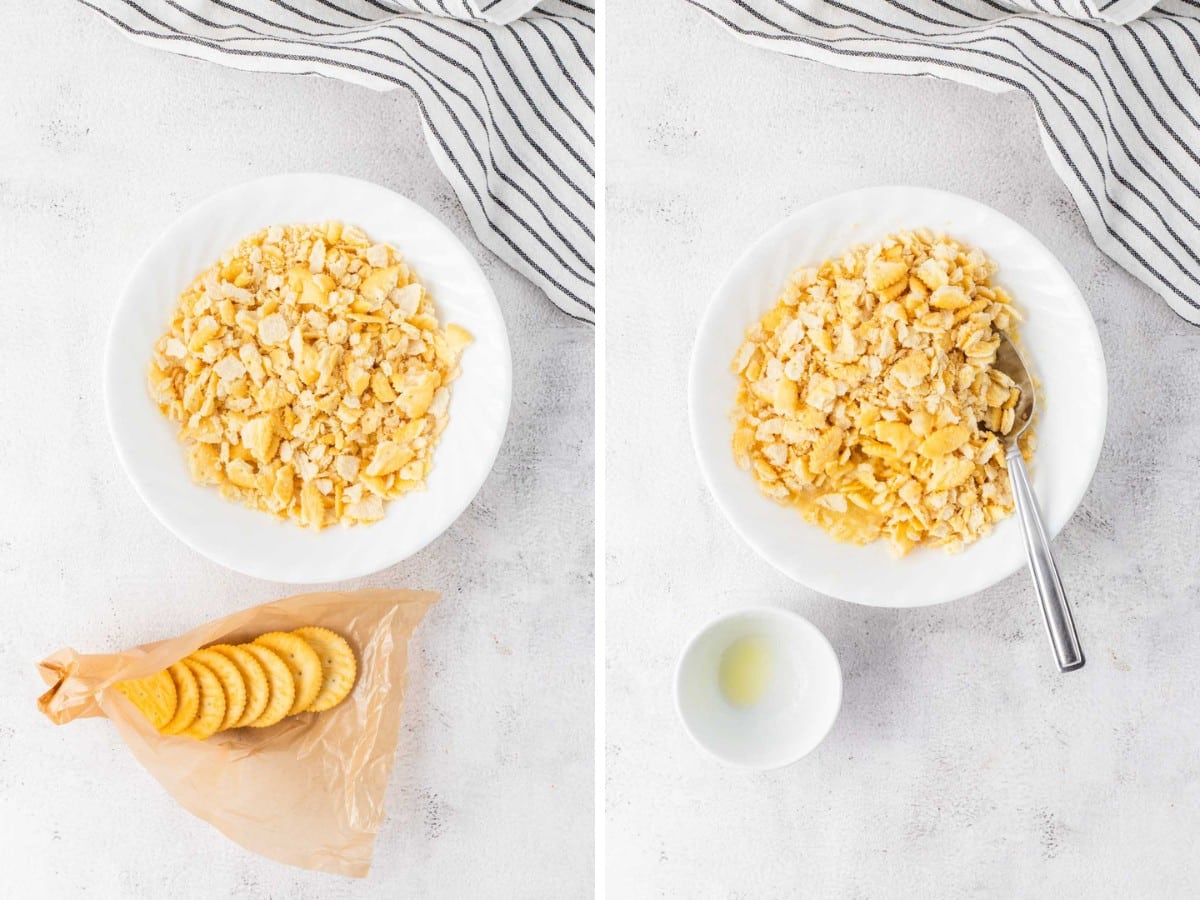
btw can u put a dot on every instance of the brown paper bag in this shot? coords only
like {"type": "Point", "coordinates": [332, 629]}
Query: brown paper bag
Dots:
{"type": "Point", "coordinates": [308, 791]}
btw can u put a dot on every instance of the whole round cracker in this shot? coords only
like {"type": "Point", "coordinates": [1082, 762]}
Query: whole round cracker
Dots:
{"type": "Point", "coordinates": [339, 668]}
{"type": "Point", "coordinates": [282, 689]}
{"type": "Point", "coordinates": [154, 696]}
{"type": "Point", "coordinates": [187, 694]}
{"type": "Point", "coordinates": [258, 689]}
{"type": "Point", "coordinates": [302, 661]}
{"type": "Point", "coordinates": [232, 684]}
{"type": "Point", "coordinates": [212, 702]}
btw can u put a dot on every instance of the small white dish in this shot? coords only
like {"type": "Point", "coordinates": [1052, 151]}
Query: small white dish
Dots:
{"type": "Point", "coordinates": [253, 542]}
{"type": "Point", "coordinates": [1058, 337]}
{"type": "Point", "coordinates": [797, 709]}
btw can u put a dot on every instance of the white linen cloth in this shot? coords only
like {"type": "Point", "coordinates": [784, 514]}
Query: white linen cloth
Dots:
{"type": "Point", "coordinates": [1115, 85]}
{"type": "Point", "coordinates": [505, 89]}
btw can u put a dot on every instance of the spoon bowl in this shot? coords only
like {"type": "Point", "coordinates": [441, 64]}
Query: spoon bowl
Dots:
{"type": "Point", "coordinates": [1060, 624]}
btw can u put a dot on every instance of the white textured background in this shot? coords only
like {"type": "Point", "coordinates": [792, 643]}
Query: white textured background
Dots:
{"type": "Point", "coordinates": [963, 764]}
{"type": "Point", "coordinates": [102, 144]}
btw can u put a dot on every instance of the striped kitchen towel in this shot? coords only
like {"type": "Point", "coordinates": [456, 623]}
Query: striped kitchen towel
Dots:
{"type": "Point", "coordinates": [505, 89]}
{"type": "Point", "coordinates": [1115, 84]}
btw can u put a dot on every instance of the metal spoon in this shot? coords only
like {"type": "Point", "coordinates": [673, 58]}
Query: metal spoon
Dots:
{"type": "Point", "coordinates": [1059, 623]}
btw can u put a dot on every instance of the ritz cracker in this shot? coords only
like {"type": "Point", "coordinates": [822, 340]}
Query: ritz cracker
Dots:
{"type": "Point", "coordinates": [277, 724]}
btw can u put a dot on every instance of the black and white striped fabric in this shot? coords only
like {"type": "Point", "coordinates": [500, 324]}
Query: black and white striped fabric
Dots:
{"type": "Point", "coordinates": [505, 89]}
{"type": "Point", "coordinates": [1115, 83]}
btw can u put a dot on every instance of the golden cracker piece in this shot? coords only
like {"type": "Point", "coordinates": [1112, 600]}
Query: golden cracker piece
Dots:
{"type": "Point", "coordinates": [361, 289]}
{"type": "Point", "coordinates": [154, 696]}
{"type": "Point", "coordinates": [187, 693]}
{"type": "Point", "coordinates": [212, 702]}
{"type": "Point", "coordinates": [339, 668]}
{"type": "Point", "coordinates": [302, 661]}
{"type": "Point", "coordinates": [282, 689]}
{"type": "Point", "coordinates": [232, 684]}
{"type": "Point", "coordinates": [258, 689]}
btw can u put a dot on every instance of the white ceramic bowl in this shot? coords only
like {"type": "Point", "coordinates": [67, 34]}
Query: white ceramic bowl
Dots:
{"type": "Point", "coordinates": [797, 709]}
{"type": "Point", "coordinates": [252, 542]}
{"type": "Point", "coordinates": [1059, 339]}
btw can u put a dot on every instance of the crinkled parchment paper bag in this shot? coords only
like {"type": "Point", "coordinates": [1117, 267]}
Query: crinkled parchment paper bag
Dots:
{"type": "Point", "coordinates": [308, 791]}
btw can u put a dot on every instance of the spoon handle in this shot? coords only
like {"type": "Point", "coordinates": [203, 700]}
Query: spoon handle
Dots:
{"type": "Point", "coordinates": [1059, 623]}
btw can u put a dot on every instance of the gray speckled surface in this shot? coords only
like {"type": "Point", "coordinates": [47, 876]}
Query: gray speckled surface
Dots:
{"type": "Point", "coordinates": [102, 144]}
{"type": "Point", "coordinates": [962, 764]}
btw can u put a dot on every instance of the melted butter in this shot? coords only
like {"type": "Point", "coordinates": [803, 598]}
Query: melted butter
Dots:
{"type": "Point", "coordinates": [745, 670]}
